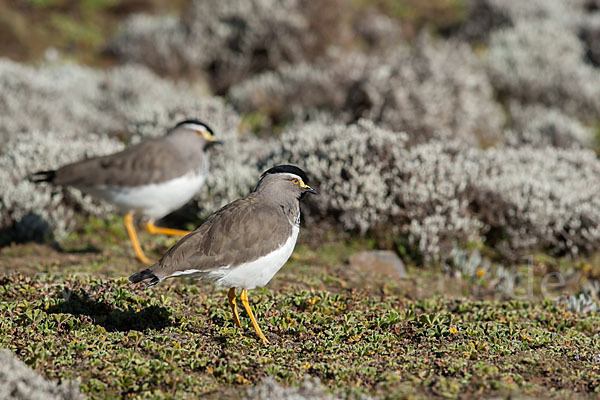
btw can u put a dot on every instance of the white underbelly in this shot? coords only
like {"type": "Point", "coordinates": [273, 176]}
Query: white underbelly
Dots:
{"type": "Point", "coordinates": [256, 273]}
{"type": "Point", "coordinates": [153, 201]}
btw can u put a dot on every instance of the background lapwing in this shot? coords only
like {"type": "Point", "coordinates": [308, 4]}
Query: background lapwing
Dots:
{"type": "Point", "coordinates": [243, 244]}
{"type": "Point", "coordinates": [148, 180]}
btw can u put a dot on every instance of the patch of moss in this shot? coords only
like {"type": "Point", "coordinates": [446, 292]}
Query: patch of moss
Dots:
{"type": "Point", "coordinates": [179, 340]}
{"type": "Point", "coordinates": [71, 314]}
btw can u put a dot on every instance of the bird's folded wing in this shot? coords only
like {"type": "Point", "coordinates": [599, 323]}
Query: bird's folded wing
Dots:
{"type": "Point", "coordinates": [240, 232]}
{"type": "Point", "coordinates": [148, 162]}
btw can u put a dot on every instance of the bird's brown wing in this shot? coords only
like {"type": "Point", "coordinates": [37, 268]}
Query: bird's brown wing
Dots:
{"type": "Point", "coordinates": [148, 162]}
{"type": "Point", "coordinates": [240, 232]}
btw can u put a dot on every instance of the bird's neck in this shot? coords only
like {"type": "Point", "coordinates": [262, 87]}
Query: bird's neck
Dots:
{"type": "Point", "coordinates": [192, 152]}
{"type": "Point", "coordinates": [292, 211]}
{"type": "Point", "coordinates": [288, 204]}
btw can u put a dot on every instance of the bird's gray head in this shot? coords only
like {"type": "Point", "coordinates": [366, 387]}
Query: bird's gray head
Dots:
{"type": "Point", "coordinates": [193, 131]}
{"type": "Point", "coordinates": [285, 181]}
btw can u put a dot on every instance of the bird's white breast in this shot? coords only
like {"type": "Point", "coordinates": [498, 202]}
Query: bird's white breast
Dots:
{"type": "Point", "coordinates": [155, 200]}
{"type": "Point", "coordinates": [259, 272]}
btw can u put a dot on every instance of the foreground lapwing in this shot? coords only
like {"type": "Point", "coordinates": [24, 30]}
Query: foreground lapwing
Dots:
{"type": "Point", "coordinates": [243, 244]}
{"type": "Point", "coordinates": [147, 180]}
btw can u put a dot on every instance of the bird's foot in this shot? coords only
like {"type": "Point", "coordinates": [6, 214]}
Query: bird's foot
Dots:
{"type": "Point", "coordinates": [158, 230]}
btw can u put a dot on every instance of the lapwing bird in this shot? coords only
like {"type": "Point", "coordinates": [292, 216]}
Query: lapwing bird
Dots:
{"type": "Point", "coordinates": [243, 244]}
{"type": "Point", "coordinates": [148, 180]}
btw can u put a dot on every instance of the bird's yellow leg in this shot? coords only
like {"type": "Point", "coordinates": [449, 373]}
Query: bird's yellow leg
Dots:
{"type": "Point", "coordinates": [244, 300]}
{"type": "Point", "coordinates": [157, 230]}
{"type": "Point", "coordinates": [236, 316]}
{"type": "Point", "coordinates": [129, 226]}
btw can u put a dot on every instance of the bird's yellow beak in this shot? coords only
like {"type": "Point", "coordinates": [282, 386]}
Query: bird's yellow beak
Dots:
{"type": "Point", "coordinates": [308, 188]}
{"type": "Point", "coordinates": [209, 137]}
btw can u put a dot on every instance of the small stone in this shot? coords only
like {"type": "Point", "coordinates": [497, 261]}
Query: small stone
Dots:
{"type": "Point", "coordinates": [383, 262]}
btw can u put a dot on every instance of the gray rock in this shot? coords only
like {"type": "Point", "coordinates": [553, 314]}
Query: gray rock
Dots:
{"type": "Point", "coordinates": [383, 262]}
{"type": "Point", "coordinates": [311, 388]}
{"type": "Point", "coordinates": [19, 382]}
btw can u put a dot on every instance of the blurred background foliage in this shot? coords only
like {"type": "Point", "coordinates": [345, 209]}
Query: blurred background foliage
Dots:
{"type": "Point", "coordinates": [461, 120]}
{"type": "Point", "coordinates": [81, 29]}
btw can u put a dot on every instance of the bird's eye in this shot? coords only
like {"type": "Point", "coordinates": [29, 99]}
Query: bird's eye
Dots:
{"type": "Point", "coordinates": [295, 181]}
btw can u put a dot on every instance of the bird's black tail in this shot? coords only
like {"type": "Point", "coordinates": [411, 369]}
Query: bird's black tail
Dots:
{"type": "Point", "coordinates": [42, 176]}
{"type": "Point", "coordinates": [143, 275]}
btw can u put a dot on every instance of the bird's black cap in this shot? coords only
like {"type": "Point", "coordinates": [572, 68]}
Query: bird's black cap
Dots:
{"type": "Point", "coordinates": [286, 169]}
{"type": "Point", "coordinates": [195, 122]}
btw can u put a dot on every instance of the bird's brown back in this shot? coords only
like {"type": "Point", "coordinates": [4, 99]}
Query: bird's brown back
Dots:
{"type": "Point", "coordinates": [242, 231]}
{"type": "Point", "coordinates": [149, 162]}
